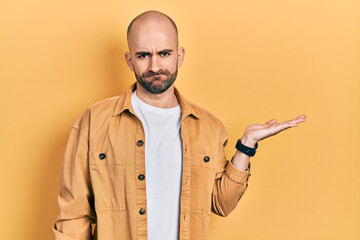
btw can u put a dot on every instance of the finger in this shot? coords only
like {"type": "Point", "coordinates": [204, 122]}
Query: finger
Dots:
{"type": "Point", "coordinates": [297, 120]}
{"type": "Point", "coordinates": [272, 121]}
{"type": "Point", "coordinates": [289, 124]}
{"type": "Point", "coordinates": [301, 117]}
{"type": "Point", "coordinates": [282, 126]}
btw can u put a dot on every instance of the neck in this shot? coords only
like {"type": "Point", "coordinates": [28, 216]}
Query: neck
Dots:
{"type": "Point", "coordinates": [166, 99]}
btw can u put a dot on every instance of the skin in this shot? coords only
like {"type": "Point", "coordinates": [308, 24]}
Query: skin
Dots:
{"type": "Point", "coordinates": [154, 57]}
{"type": "Point", "coordinates": [257, 132]}
{"type": "Point", "coordinates": [153, 45]}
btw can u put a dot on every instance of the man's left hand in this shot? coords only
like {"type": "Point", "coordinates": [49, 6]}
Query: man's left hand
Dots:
{"type": "Point", "coordinates": [257, 132]}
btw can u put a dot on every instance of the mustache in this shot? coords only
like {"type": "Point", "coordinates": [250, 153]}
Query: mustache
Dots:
{"type": "Point", "coordinates": [151, 73]}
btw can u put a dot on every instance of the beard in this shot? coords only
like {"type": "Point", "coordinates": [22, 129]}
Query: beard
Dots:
{"type": "Point", "coordinates": [156, 88]}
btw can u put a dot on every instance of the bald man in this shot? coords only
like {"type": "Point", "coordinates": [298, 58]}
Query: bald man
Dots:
{"type": "Point", "coordinates": [149, 164]}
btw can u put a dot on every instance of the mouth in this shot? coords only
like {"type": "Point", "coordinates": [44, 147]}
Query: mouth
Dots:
{"type": "Point", "coordinates": [156, 77]}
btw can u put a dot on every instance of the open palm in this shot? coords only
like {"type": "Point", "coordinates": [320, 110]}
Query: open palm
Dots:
{"type": "Point", "coordinates": [258, 132]}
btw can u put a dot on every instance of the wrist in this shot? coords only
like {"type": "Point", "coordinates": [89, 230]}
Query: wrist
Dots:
{"type": "Point", "coordinates": [240, 160]}
{"type": "Point", "coordinates": [248, 149]}
{"type": "Point", "coordinates": [247, 141]}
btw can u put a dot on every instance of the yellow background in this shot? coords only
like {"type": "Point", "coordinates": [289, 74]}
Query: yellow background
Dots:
{"type": "Point", "coordinates": [246, 61]}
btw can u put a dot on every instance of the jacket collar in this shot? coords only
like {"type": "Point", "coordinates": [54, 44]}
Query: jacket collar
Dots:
{"type": "Point", "coordinates": [124, 103]}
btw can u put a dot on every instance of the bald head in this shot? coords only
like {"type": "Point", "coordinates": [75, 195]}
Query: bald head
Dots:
{"type": "Point", "coordinates": [148, 21]}
{"type": "Point", "coordinates": [154, 55]}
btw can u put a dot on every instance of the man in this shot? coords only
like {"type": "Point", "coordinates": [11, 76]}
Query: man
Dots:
{"type": "Point", "coordinates": [148, 164]}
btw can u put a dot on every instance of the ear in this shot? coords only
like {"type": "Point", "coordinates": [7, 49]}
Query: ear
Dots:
{"type": "Point", "coordinates": [181, 54]}
{"type": "Point", "coordinates": [129, 61]}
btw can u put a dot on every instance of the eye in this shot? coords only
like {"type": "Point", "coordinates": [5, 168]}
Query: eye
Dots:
{"type": "Point", "coordinates": [163, 54]}
{"type": "Point", "coordinates": [142, 56]}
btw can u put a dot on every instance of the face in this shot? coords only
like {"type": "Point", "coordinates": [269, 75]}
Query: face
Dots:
{"type": "Point", "coordinates": [154, 56]}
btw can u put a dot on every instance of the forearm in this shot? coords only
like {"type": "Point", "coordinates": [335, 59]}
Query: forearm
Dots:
{"type": "Point", "coordinates": [75, 198]}
{"type": "Point", "coordinates": [241, 160]}
{"type": "Point", "coordinates": [228, 190]}
{"type": "Point", "coordinates": [232, 184]}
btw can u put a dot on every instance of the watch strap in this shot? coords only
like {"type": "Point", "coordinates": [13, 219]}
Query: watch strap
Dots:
{"type": "Point", "coordinates": [246, 150]}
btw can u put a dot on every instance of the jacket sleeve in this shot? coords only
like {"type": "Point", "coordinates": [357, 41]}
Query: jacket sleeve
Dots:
{"type": "Point", "coordinates": [230, 182]}
{"type": "Point", "coordinates": [75, 199]}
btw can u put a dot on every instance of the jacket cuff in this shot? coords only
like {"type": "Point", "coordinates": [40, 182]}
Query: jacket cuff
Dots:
{"type": "Point", "coordinates": [60, 236]}
{"type": "Point", "coordinates": [235, 174]}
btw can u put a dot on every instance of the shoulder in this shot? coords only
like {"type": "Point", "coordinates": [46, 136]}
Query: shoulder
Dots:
{"type": "Point", "coordinates": [105, 106]}
{"type": "Point", "coordinates": [203, 113]}
{"type": "Point", "coordinates": [207, 117]}
{"type": "Point", "coordinates": [98, 111]}
{"type": "Point", "coordinates": [208, 124]}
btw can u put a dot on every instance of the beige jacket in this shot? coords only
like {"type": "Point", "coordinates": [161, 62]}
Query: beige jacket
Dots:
{"type": "Point", "coordinates": [102, 186]}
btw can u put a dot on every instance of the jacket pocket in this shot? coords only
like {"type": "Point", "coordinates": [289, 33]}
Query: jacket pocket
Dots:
{"type": "Point", "coordinates": [107, 177]}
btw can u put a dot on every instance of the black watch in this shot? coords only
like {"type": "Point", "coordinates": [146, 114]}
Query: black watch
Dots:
{"type": "Point", "coordinates": [247, 150]}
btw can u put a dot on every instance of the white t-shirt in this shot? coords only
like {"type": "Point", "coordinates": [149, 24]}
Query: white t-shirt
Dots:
{"type": "Point", "coordinates": [163, 167]}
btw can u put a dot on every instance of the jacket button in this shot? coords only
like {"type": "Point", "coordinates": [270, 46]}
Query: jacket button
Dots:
{"type": "Point", "coordinates": [206, 159]}
{"type": "Point", "coordinates": [140, 143]}
{"type": "Point", "coordinates": [142, 211]}
{"type": "Point", "coordinates": [102, 156]}
{"type": "Point", "coordinates": [141, 177]}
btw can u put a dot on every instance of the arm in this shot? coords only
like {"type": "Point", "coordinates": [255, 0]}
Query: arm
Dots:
{"type": "Point", "coordinates": [232, 177]}
{"type": "Point", "coordinates": [75, 199]}
{"type": "Point", "coordinates": [230, 182]}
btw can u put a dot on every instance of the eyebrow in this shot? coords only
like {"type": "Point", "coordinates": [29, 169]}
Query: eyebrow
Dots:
{"type": "Point", "coordinates": [166, 50]}
{"type": "Point", "coordinates": [148, 53]}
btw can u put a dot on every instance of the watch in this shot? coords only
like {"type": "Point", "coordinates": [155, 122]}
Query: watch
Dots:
{"type": "Point", "coordinates": [244, 149]}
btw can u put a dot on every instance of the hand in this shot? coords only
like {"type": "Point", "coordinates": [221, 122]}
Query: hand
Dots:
{"type": "Point", "coordinates": [257, 132]}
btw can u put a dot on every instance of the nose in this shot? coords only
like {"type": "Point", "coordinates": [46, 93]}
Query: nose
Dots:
{"type": "Point", "coordinates": [154, 64]}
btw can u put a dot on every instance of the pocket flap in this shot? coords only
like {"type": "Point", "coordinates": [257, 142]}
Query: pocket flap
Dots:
{"type": "Point", "coordinates": [104, 158]}
{"type": "Point", "coordinates": [207, 160]}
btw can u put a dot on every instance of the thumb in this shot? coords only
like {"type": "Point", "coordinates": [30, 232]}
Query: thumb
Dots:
{"type": "Point", "coordinates": [272, 121]}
